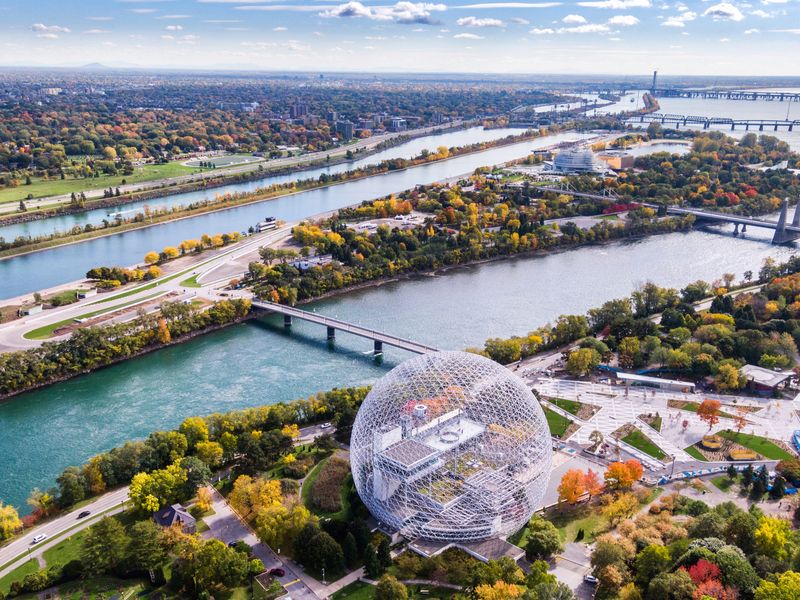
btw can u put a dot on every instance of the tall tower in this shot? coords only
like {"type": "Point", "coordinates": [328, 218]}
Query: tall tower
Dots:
{"type": "Point", "coordinates": [655, 79]}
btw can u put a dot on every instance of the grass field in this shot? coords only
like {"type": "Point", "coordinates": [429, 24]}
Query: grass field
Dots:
{"type": "Point", "coordinates": [191, 282]}
{"type": "Point", "coordinates": [227, 160]}
{"type": "Point", "coordinates": [639, 440]}
{"type": "Point", "coordinates": [66, 550]}
{"type": "Point", "coordinates": [723, 482]}
{"type": "Point", "coordinates": [557, 423]}
{"type": "Point", "coordinates": [571, 406]}
{"type": "Point", "coordinates": [695, 453]}
{"type": "Point", "coordinates": [656, 424]}
{"type": "Point", "coordinates": [358, 590]}
{"type": "Point", "coordinates": [758, 444]}
{"type": "Point", "coordinates": [40, 188]}
{"type": "Point", "coordinates": [17, 574]}
{"type": "Point", "coordinates": [308, 485]}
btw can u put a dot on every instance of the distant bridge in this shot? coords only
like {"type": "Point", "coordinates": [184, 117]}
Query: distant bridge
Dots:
{"type": "Point", "coordinates": [726, 94]}
{"type": "Point", "coordinates": [785, 232]}
{"type": "Point", "coordinates": [708, 122]}
{"type": "Point", "coordinates": [378, 337]}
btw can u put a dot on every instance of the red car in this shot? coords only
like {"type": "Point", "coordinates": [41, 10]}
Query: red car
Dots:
{"type": "Point", "coordinates": [277, 572]}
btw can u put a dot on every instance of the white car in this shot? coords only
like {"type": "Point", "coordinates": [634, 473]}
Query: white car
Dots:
{"type": "Point", "coordinates": [39, 538]}
{"type": "Point", "coordinates": [325, 426]}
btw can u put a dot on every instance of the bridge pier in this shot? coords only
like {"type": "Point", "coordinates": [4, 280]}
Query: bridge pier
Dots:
{"type": "Point", "coordinates": [781, 235]}
{"type": "Point", "coordinates": [287, 320]}
{"type": "Point", "coordinates": [744, 228]}
{"type": "Point", "coordinates": [331, 333]}
{"type": "Point", "coordinates": [736, 229]}
{"type": "Point", "coordinates": [377, 348]}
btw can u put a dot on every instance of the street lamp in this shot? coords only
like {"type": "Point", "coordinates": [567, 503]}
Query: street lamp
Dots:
{"type": "Point", "coordinates": [323, 576]}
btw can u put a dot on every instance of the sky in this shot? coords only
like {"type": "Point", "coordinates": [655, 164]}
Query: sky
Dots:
{"type": "Point", "coordinates": [728, 37]}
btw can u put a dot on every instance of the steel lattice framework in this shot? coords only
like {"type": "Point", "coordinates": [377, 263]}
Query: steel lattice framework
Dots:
{"type": "Point", "coordinates": [451, 446]}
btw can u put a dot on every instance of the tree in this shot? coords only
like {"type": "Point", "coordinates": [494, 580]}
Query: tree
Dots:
{"type": "Point", "coordinates": [195, 430]}
{"type": "Point", "coordinates": [204, 499]}
{"type": "Point", "coordinates": [543, 539]}
{"type": "Point", "coordinates": [623, 507]}
{"type": "Point", "coordinates": [324, 553]}
{"type": "Point", "coordinates": [151, 258]}
{"type": "Point", "coordinates": [553, 590]}
{"type": "Point", "coordinates": [9, 521]}
{"type": "Point", "coordinates": [211, 453]}
{"type": "Point", "coordinates": [146, 550]}
{"type": "Point", "coordinates": [71, 487]}
{"type": "Point", "coordinates": [163, 335]}
{"type": "Point", "coordinates": [384, 553]}
{"type": "Point", "coordinates": [708, 412]}
{"type": "Point", "coordinates": [350, 550]}
{"type": "Point", "coordinates": [729, 378]}
{"type": "Point", "coordinates": [389, 588]}
{"type": "Point", "coordinates": [213, 565]}
{"type": "Point", "coordinates": [618, 476]}
{"type": "Point", "coordinates": [582, 361]}
{"type": "Point", "coordinates": [651, 561]}
{"type": "Point", "coordinates": [372, 566]}
{"type": "Point", "coordinates": [572, 486]}
{"type": "Point", "coordinates": [104, 548]}
{"type": "Point", "coordinates": [778, 489]}
{"type": "Point", "coordinates": [772, 536]}
{"type": "Point", "coordinates": [629, 350]}
{"type": "Point", "coordinates": [499, 590]}
{"type": "Point", "coordinates": [592, 483]}
{"type": "Point", "coordinates": [786, 587]}
{"type": "Point", "coordinates": [671, 586]}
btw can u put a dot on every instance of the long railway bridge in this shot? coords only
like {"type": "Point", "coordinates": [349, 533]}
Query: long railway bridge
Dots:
{"type": "Point", "coordinates": [785, 231]}
{"type": "Point", "coordinates": [378, 338]}
{"type": "Point", "coordinates": [708, 122]}
{"type": "Point", "coordinates": [777, 96]}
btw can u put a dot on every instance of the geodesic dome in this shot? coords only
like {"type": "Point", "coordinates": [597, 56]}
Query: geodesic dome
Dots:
{"type": "Point", "coordinates": [451, 446]}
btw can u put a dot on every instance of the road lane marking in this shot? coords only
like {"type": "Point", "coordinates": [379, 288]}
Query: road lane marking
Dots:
{"type": "Point", "coordinates": [286, 585]}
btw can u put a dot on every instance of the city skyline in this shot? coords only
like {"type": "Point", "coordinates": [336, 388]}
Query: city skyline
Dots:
{"type": "Point", "coordinates": [548, 37]}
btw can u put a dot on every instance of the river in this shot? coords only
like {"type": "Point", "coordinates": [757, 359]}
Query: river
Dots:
{"type": "Point", "coordinates": [40, 270]}
{"type": "Point", "coordinates": [260, 363]}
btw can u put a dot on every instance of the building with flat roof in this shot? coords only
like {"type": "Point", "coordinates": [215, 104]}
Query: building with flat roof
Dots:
{"type": "Point", "coordinates": [764, 381]}
{"type": "Point", "coordinates": [674, 385]}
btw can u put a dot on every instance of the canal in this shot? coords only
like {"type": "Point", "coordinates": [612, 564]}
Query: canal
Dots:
{"type": "Point", "coordinates": [260, 363]}
{"type": "Point", "coordinates": [40, 270]}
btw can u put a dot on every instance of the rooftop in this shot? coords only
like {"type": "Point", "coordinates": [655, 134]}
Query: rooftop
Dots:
{"type": "Point", "coordinates": [766, 377]}
{"type": "Point", "coordinates": [409, 453]}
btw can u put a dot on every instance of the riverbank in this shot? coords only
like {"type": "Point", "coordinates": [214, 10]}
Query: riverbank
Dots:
{"type": "Point", "coordinates": [209, 206]}
{"type": "Point", "coordinates": [151, 190]}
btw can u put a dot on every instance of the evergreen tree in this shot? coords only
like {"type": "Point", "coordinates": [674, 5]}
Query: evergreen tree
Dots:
{"type": "Point", "coordinates": [372, 566]}
{"type": "Point", "coordinates": [350, 550]}
{"type": "Point", "coordinates": [385, 553]}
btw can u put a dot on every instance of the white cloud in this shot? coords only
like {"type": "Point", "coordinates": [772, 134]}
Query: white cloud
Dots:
{"type": "Point", "coordinates": [616, 4]}
{"type": "Point", "coordinates": [510, 5]}
{"type": "Point", "coordinates": [774, 1]}
{"type": "Point", "coordinates": [538, 31]}
{"type": "Point", "coordinates": [573, 19]}
{"type": "Point", "coordinates": [96, 31]}
{"type": "Point", "coordinates": [680, 20]}
{"type": "Point", "coordinates": [143, 11]}
{"type": "Point", "coordinates": [174, 27]}
{"type": "Point", "coordinates": [401, 12]}
{"type": "Point", "coordinates": [587, 28]}
{"type": "Point", "coordinates": [280, 29]}
{"type": "Point", "coordinates": [724, 40]}
{"type": "Point", "coordinates": [222, 21]}
{"type": "Point", "coordinates": [174, 17]}
{"type": "Point", "coordinates": [100, 18]}
{"type": "Point", "coordinates": [476, 22]}
{"type": "Point", "coordinates": [623, 20]}
{"type": "Point", "coordinates": [468, 36]}
{"type": "Point", "coordinates": [48, 32]}
{"type": "Point", "coordinates": [794, 31]}
{"type": "Point", "coordinates": [724, 11]}
{"type": "Point", "coordinates": [519, 21]}
{"type": "Point", "coordinates": [761, 13]}
{"type": "Point", "coordinates": [615, 39]}
{"type": "Point", "coordinates": [751, 31]}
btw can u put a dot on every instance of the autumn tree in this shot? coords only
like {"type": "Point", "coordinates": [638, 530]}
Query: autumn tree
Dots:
{"type": "Point", "coordinates": [389, 588]}
{"type": "Point", "coordinates": [582, 361]}
{"type": "Point", "coordinates": [623, 507]}
{"type": "Point", "coordinates": [708, 412]}
{"type": "Point", "coordinates": [9, 521]}
{"type": "Point", "coordinates": [592, 483]}
{"type": "Point", "coordinates": [572, 486]}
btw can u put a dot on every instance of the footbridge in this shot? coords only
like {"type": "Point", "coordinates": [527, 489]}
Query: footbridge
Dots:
{"type": "Point", "coordinates": [378, 337]}
{"type": "Point", "coordinates": [708, 122]}
{"type": "Point", "coordinates": [565, 188]}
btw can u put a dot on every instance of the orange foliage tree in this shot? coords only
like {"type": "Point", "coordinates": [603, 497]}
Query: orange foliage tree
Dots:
{"type": "Point", "coordinates": [708, 411]}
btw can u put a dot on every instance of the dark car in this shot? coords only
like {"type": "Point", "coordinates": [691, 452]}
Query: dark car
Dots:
{"type": "Point", "coordinates": [277, 572]}
{"type": "Point", "coordinates": [84, 514]}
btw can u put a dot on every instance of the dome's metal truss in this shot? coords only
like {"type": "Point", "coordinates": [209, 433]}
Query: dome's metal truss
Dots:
{"type": "Point", "coordinates": [451, 446]}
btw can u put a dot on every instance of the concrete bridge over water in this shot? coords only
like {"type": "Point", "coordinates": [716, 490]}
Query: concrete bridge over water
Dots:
{"type": "Point", "coordinates": [708, 122]}
{"type": "Point", "coordinates": [378, 338]}
{"type": "Point", "coordinates": [776, 96]}
{"type": "Point", "coordinates": [785, 231]}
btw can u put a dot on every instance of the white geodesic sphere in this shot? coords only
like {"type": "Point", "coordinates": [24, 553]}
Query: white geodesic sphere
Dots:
{"type": "Point", "coordinates": [451, 446]}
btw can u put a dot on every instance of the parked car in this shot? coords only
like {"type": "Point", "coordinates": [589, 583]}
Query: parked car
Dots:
{"type": "Point", "coordinates": [39, 538]}
{"type": "Point", "coordinates": [590, 579]}
{"type": "Point", "coordinates": [325, 426]}
{"type": "Point", "coordinates": [277, 572]}
{"type": "Point", "coordinates": [83, 514]}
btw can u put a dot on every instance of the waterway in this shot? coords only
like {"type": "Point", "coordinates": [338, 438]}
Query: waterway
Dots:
{"type": "Point", "coordinates": [260, 363]}
{"type": "Point", "coordinates": [40, 270]}
{"type": "Point", "coordinates": [406, 150]}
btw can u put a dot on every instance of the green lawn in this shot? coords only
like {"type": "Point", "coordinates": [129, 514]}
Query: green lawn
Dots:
{"type": "Point", "coordinates": [191, 282]}
{"type": "Point", "coordinates": [65, 297]}
{"type": "Point", "coordinates": [47, 331]}
{"type": "Point", "coordinates": [571, 406]}
{"type": "Point", "coordinates": [639, 440]}
{"type": "Point", "coordinates": [40, 188]}
{"type": "Point", "coordinates": [723, 482]}
{"type": "Point", "coordinates": [695, 453]}
{"type": "Point", "coordinates": [758, 444]}
{"type": "Point", "coordinates": [358, 590]}
{"type": "Point", "coordinates": [693, 406]}
{"type": "Point", "coordinates": [656, 424]}
{"type": "Point", "coordinates": [569, 522]}
{"type": "Point", "coordinates": [66, 550]}
{"type": "Point", "coordinates": [557, 423]}
{"type": "Point", "coordinates": [17, 574]}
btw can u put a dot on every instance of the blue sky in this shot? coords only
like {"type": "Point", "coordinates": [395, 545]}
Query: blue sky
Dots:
{"type": "Point", "coordinates": [728, 37]}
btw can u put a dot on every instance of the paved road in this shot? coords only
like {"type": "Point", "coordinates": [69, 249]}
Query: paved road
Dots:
{"type": "Point", "coordinates": [111, 502]}
{"type": "Point", "coordinates": [226, 526]}
{"type": "Point", "coordinates": [268, 165]}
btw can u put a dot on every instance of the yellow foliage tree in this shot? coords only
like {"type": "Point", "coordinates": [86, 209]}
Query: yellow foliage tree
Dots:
{"type": "Point", "coordinates": [500, 590]}
{"type": "Point", "coordinates": [151, 258]}
{"type": "Point", "coordinates": [9, 521]}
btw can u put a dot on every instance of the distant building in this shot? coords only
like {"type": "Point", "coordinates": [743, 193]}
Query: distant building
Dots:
{"type": "Point", "coordinates": [617, 160]}
{"type": "Point", "coordinates": [298, 109]}
{"type": "Point", "coordinates": [764, 381]}
{"type": "Point", "coordinates": [673, 385]}
{"type": "Point", "coordinates": [31, 310]}
{"type": "Point", "coordinates": [576, 160]}
{"type": "Point", "coordinates": [398, 124]}
{"type": "Point", "coordinates": [170, 515]}
{"type": "Point", "coordinates": [345, 129]}
{"type": "Point", "coordinates": [87, 293]}
{"type": "Point", "coordinates": [331, 116]}
{"type": "Point", "coordinates": [312, 261]}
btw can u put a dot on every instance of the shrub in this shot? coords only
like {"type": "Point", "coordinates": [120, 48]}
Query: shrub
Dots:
{"type": "Point", "coordinates": [326, 494]}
